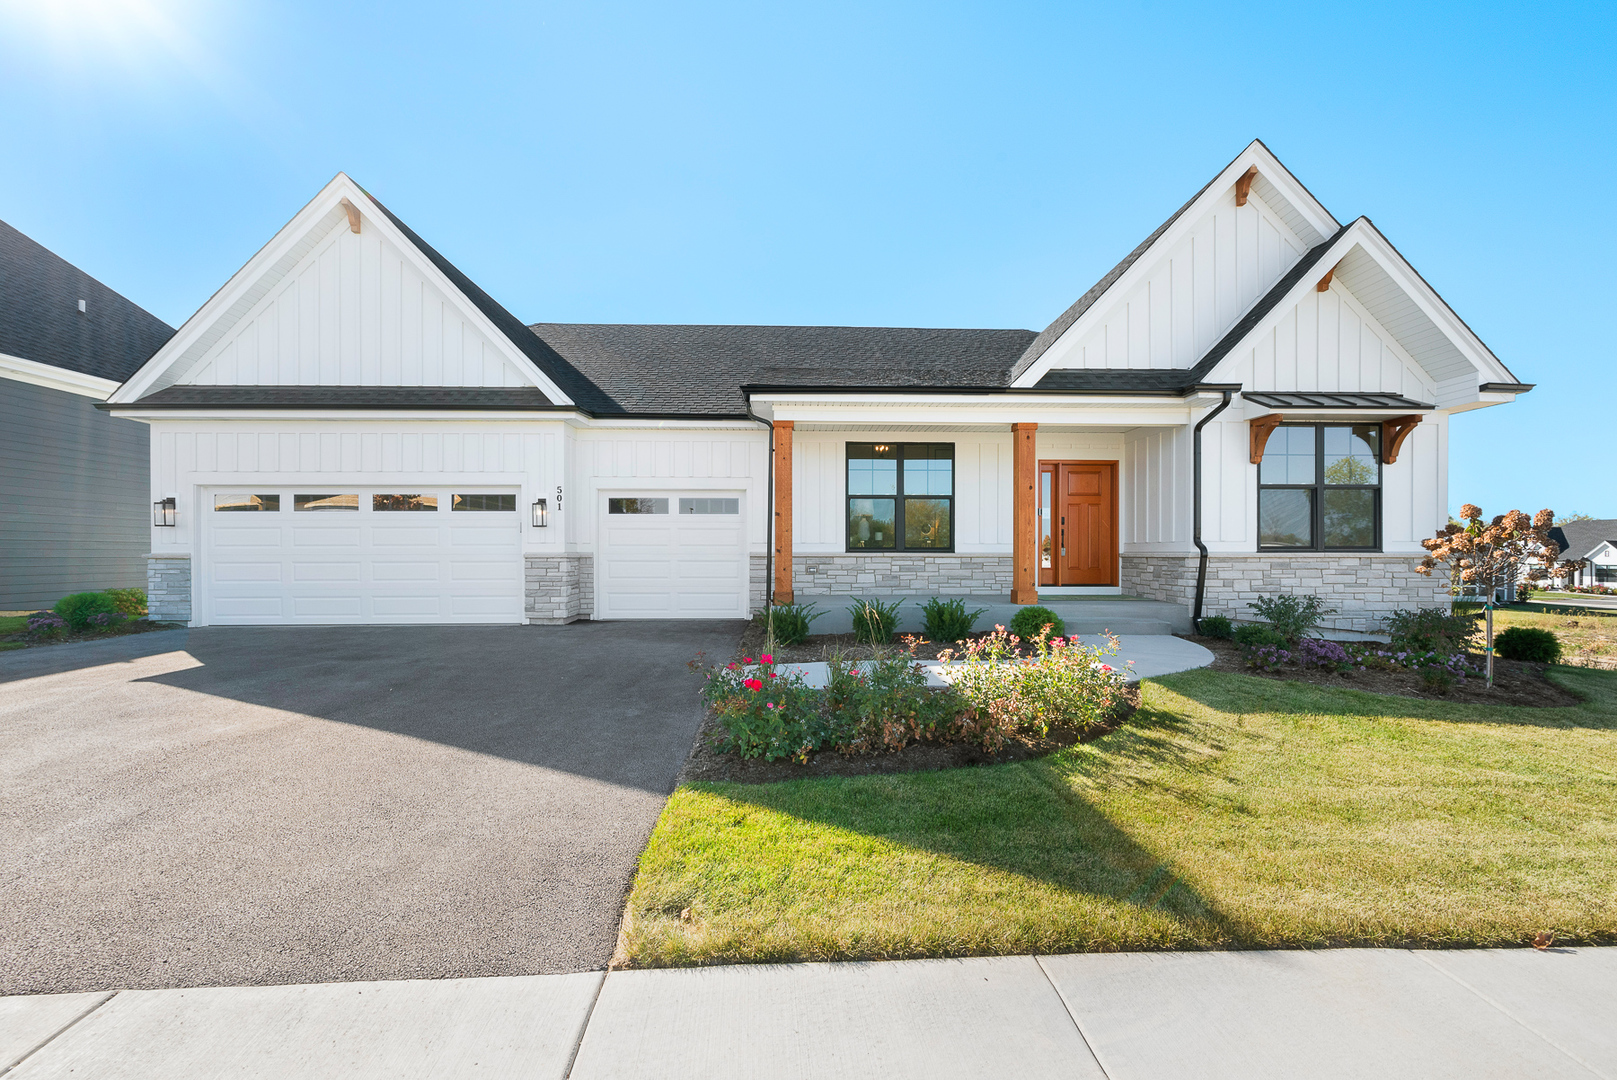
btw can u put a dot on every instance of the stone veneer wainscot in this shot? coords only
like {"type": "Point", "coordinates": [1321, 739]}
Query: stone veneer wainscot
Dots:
{"type": "Point", "coordinates": [931, 575]}
{"type": "Point", "coordinates": [1363, 588]}
{"type": "Point", "coordinates": [559, 588]}
{"type": "Point", "coordinates": [168, 587]}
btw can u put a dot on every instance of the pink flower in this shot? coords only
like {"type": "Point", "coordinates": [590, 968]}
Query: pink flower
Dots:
{"type": "Point", "coordinates": [1058, 641]}
{"type": "Point", "coordinates": [768, 658]}
{"type": "Point", "coordinates": [731, 666]}
{"type": "Point", "coordinates": [1107, 667]}
{"type": "Point", "coordinates": [771, 705]}
{"type": "Point", "coordinates": [753, 684]}
{"type": "Point", "coordinates": [746, 659]}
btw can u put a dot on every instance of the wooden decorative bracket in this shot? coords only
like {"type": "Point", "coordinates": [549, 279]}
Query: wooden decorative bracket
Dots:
{"type": "Point", "coordinates": [1243, 186]}
{"type": "Point", "coordinates": [1325, 282]}
{"type": "Point", "coordinates": [1262, 428]}
{"type": "Point", "coordinates": [353, 215]}
{"type": "Point", "coordinates": [1393, 434]}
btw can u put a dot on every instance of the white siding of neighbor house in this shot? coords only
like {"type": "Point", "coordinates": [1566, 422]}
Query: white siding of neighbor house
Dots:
{"type": "Point", "coordinates": [355, 311]}
{"type": "Point", "coordinates": [190, 457]}
{"type": "Point", "coordinates": [1193, 293]}
{"type": "Point", "coordinates": [606, 461]}
{"type": "Point", "coordinates": [982, 487]}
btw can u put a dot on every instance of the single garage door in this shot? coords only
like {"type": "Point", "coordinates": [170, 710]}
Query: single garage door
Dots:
{"type": "Point", "coordinates": [672, 556]}
{"type": "Point", "coordinates": [395, 556]}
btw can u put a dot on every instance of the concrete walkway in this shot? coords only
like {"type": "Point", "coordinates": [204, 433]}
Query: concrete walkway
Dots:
{"type": "Point", "coordinates": [1142, 656]}
{"type": "Point", "coordinates": [1249, 1015]}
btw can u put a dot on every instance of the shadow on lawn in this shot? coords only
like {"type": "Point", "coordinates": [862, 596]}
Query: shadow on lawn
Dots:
{"type": "Point", "coordinates": [1024, 818]}
{"type": "Point", "coordinates": [1239, 694]}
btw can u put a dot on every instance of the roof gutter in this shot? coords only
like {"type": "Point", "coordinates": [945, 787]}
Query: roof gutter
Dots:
{"type": "Point", "coordinates": [1196, 508]}
{"type": "Point", "coordinates": [769, 517]}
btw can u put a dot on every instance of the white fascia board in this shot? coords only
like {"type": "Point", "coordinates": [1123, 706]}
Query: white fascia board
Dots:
{"type": "Point", "coordinates": [326, 203]}
{"type": "Point", "coordinates": [990, 410]}
{"type": "Point", "coordinates": [443, 416]}
{"type": "Point", "coordinates": [629, 423]}
{"type": "Point", "coordinates": [1256, 154]}
{"type": "Point", "coordinates": [55, 378]}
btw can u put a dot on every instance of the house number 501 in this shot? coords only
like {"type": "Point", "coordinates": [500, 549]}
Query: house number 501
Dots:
{"type": "Point", "coordinates": [558, 496]}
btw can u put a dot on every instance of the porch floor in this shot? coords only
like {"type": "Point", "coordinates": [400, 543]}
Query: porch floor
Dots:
{"type": "Point", "coordinates": [1083, 615]}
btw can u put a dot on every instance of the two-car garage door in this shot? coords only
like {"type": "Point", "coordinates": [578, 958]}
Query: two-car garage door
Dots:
{"type": "Point", "coordinates": [361, 557]}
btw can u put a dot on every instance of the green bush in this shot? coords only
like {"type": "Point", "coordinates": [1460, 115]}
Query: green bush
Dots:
{"type": "Point", "coordinates": [1217, 626]}
{"type": "Point", "coordinates": [1255, 635]}
{"type": "Point", "coordinates": [1528, 643]}
{"type": "Point", "coordinates": [948, 620]}
{"type": "Point", "coordinates": [1028, 623]}
{"type": "Point", "coordinates": [1432, 630]}
{"type": "Point", "coordinates": [1292, 617]}
{"type": "Point", "coordinates": [78, 608]}
{"type": "Point", "coordinates": [789, 623]}
{"type": "Point", "coordinates": [131, 602]}
{"type": "Point", "coordinates": [874, 623]}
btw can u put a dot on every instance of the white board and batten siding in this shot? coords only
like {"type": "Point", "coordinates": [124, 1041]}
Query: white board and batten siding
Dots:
{"type": "Point", "coordinates": [355, 311]}
{"type": "Point", "coordinates": [1192, 295]}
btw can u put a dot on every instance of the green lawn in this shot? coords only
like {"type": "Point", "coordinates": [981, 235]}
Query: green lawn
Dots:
{"type": "Point", "coordinates": [1231, 811]}
{"type": "Point", "coordinates": [1588, 636]}
{"type": "Point", "coordinates": [13, 624]}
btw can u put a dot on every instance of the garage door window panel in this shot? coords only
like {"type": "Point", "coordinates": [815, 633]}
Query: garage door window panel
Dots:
{"type": "Point", "coordinates": [248, 503]}
{"type": "Point", "coordinates": [900, 497]}
{"type": "Point", "coordinates": [637, 506]}
{"type": "Point", "coordinates": [726, 507]}
{"type": "Point", "coordinates": [338, 503]}
{"type": "Point", "coordinates": [480, 503]}
{"type": "Point", "coordinates": [404, 503]}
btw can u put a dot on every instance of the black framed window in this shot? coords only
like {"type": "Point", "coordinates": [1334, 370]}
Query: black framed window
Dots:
{"type": "Point", "coordinates": [900, 497]}
{"type": "Point", "coordinates": [1319, 488]}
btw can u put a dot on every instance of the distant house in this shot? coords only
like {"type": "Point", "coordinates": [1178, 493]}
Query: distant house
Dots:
{"type": "Point", "coordinates": [1595, 541]}
{"type": "Point", "coordinates": [74, 505]}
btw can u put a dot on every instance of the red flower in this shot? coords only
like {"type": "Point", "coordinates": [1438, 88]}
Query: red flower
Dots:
{"type": "Point", "coordinates": [768, 658]}
{"type": "Point", "coordinates": [746, 659]}
{"type": "Point", "coordinates": [731, 666]}
{"type": "Point", "coordinates": [753, 684]}
{"type": "Point", "coordinates": [772, 675]}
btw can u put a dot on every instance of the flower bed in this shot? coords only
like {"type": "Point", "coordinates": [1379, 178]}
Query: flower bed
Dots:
{"type": "Point", "coordinates": [1006, 696]}
{"type": "Point", "coordinates": [1382, 669]}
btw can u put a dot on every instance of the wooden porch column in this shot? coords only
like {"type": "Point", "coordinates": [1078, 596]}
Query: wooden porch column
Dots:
{"type": "Point", "coordinates": [1025, 515]}
{"type": "Point", "coordinates": [783, 512]}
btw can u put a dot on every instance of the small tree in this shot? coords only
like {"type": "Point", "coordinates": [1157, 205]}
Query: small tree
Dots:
{"type": "Point", "coordinates": [1510, 548]}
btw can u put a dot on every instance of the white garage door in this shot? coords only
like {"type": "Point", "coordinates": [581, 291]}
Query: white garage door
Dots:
{"type": "Point", "coordinates": [395, 556]}
{"type": "Point", "coordinates": [672, 556]}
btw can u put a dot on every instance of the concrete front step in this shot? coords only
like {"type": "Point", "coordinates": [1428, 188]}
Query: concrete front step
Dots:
{"type": "Point", "coordinates": [1120, 615]}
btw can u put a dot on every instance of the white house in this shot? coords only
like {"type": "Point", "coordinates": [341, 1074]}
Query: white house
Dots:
{"type": "Point", "coordinates": [1256, 399]}
{"type": "Point", "coordinates": [1595, 543]}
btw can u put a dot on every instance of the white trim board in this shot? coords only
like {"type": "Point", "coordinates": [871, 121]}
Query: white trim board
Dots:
{"type": "Point", "coordinates": [55, 378]}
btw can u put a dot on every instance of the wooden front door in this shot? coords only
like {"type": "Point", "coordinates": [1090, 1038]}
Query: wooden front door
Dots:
{"type": "Point", "coordinates": [1077, 523]}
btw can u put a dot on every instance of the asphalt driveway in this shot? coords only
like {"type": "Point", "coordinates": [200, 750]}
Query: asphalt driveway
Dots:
{"type": "Point", "coordinates": [232, 806]}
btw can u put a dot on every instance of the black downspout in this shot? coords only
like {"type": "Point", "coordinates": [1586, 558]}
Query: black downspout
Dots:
{"type": "Point", "coordinates": [1196, 512]}
{"type": "Point", "coordinates": [769, 516]}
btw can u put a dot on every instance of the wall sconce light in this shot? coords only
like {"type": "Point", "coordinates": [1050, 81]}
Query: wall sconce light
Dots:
{"type": "Point", "coordinates": [163, 512]}
{"type": "Point", "coordinates": [541, 514]}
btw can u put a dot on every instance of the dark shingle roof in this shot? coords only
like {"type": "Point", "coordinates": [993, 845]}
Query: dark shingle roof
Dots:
{"type": "Point", "coordinates": [700, 370]}
{"type": "Point", "coordinates": [1579, 538]}
{"type": "Point", "coordinates": [348, 397]}
{"type": "Point", "coordinates": [40, 318]}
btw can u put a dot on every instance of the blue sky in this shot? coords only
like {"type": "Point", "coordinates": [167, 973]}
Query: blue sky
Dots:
{"type": "Point", "coordinates": [899, 164]}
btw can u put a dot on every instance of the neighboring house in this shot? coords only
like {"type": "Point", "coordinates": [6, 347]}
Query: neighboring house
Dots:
{"type": "Point", "coordinates": [350, 430]}
{"type": "Point", "coordinates": [1593, 541]}
{"type": "Point", "coordinates": [74, 513]}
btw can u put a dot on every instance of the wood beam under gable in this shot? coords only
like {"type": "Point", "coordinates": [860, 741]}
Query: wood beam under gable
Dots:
{"type": "Point", "coordinates": [1393, 434]}
{"type": "Point", "coordinates": [1262, 428]}
{"type": "Point", "coordinates": [353, 214]}
{"type": "Point", "coordinates": [1325, 282]}
{"type": "Point", "coordinates": [1243, 186]}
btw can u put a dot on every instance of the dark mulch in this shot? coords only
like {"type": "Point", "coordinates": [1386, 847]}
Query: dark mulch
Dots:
{"type": "Point", "coordinates": [706, 763]}
{"type": "Point", "coordinates": [133, 626]}
{"type": "Point", "coordinates": [1515, 682]}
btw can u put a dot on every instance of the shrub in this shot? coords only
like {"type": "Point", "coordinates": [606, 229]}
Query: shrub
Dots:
{"type": "Point", "coordinates": [78, 608]}
{"type": "Point", "coordinates": [787, 624]}
{"type": "Point", "coordinates": [1267, 657]}
{"type": "Point", "coordinates": [1528, 643]}
{"type": "Point", "coordinates": [1064, 683]}
{"type": "Point", "coordinates": [46, 624]}
{"type": "Point", "coordinates": [1218, 626]}
{"type": "Point", "coordinates": [1029, 622]}
{"type": "Point", "coordinates": [948, 620]}
{"type": "Point", "coordinates": [1253, 635]}
{"type": "Point", "coordinates": [1316, 652]}
{"type": "Point", "coordinates": [1292, 617]}
{"type": "Point", "coordinates": [1439, 680]}
{"type": "Point", "coordinates": [105, 620]}
{"type": "Point", "coordinates": [874, 622]}
{"type": "Point", "coordinates": [1432, 630]}
{"type": "Point", "coordinates": [884, 704]}
{"type": "Point", "coordinates": [763, 713]}
{"type": "Point", "coordinates": [129, 602]}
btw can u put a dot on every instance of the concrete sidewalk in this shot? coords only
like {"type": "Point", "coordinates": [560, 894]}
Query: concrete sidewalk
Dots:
{"type": "Point", "coordinates": [1341, 1013]}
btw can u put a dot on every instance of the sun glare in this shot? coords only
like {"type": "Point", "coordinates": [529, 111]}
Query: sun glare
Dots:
{"type": "Point", "coordinates": [142, 35]}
